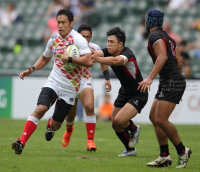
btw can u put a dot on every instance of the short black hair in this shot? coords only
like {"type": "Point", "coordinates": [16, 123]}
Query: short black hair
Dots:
{"type": "Point", "coordinates": [66, 13]}
{"type": "Point", "coordinates": [120, 34]}
{"type": "Point", "coordinates": [84, 27]}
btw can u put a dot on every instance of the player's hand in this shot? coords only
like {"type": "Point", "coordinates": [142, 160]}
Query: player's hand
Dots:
{"type": "Point", "coordinates": [26, 73]}
{"type": "Point", "coordinates": [94, 56]}
{"type": "Point", "coordinates": [145, 84]}
{"type": "Point", "coordinates": [107, 85]}
{"type": "Point", "coordinates": [64, 57]}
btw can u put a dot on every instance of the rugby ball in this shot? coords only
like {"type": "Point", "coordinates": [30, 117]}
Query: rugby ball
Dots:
{"type": "Point", "coordinates": [72, 51]}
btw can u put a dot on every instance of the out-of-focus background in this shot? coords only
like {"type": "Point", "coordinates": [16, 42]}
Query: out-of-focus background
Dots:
{"type": "Point", "coordinates": [26, 26]}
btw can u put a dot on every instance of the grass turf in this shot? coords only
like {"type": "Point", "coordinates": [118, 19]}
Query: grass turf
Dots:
{"type": "Point", "coordinates": [42, 156]}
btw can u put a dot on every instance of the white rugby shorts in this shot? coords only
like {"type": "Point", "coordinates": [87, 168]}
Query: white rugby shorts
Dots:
{"type": "Point", "coordinates": [85, 83]}
{"type": "Point", "coordinates": [68, 95]}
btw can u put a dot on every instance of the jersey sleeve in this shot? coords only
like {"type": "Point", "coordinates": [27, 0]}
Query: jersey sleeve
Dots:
{"type": "Point", "coordinates": [48, 51]}
{"type": "Point", "coordinates": [105, 52]}
{"type": "Point", "coordinates": [98, 47]}
{"type": "Point", "coordinates": [83, 46]}
{"type": "Point", "coordinates": [154, 37]}
{"type": "Point", "coordinates": [126, 54]}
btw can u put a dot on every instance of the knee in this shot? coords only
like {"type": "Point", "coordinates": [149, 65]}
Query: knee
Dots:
{"type": "Point", "coordinates": [89, 109]}
{"type": "Point", "coordinates": [40, 111]}
{"type": "Point", "coordinates": [117, 122]}
{"type": "Point", "coordinates": [114, 126]}
{"type": "Point", "coordinates": [159, 122]}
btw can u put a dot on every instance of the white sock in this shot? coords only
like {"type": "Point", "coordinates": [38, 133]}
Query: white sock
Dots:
{"type": "Point", "coordinates": [33, 119]}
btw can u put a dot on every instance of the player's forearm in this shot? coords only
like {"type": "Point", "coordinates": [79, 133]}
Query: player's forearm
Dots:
{"type": "Point", "coordinates": [84, 60]}
{"type": "Point", "coordinates": [160, 62]}
{"type": "Point", "coordinates": [41, 62]}
{"type": "Point", "coordinates": [112, 61]}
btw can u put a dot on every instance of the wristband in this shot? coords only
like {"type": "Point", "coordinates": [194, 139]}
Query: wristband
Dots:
{"type": "Point", "coordinates": [33, 68]}
{"type": "Point", "coordinates": [106, 74]}
{"type": "Point", "coordinates": [70, 59]}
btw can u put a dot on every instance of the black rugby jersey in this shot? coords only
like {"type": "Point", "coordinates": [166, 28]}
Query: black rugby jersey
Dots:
{"type": "Point", "coordinates": [170, 69]}
{"type": "Point", "coordinates": [129, 74]}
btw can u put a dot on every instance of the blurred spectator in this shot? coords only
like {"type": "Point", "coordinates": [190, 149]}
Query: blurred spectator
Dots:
{"type": "Point", "coordinates": [87, 5]}
{"type": "Point", "coordinates": [56, 5]}
{"type": "Point", "coordinates": [105, 110]}
{"type": "Point", "coordinates": [9, 16]}
{"type": "Point", "coordinates": [51, 30]}
{"type": "Point", "coordinates": [18, 47]}
{"type": "Point", "coordinates": [194, 46]}
{"type": "Point", "coordinates": [187, 72]}
{"type": "Point", "coordinates": [181, 4]}
{"type": "Point", "coordinates": [76, 10]}
{"type": "Point", "coordinates": [185, 58]}
{"type": "Point", "coordinates": [194, 25]}
{"type": "Point", "coordinates": [141, 32]}
{"type": "Point", "coordinates": [182, 46]}
{"type": "Point", "coordinates": [173, 35]}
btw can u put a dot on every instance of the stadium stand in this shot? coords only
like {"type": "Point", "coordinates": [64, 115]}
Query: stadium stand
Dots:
{"type": "Point", "coordinates": [127, 15]}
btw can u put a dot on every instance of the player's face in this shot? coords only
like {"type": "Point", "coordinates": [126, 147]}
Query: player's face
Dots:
{"type": "Point", "coordinates": [87, 35]}
{"type": "Point", "coordinates": [64, 26]}
{"type": "Point", "coordinates": [113, 45]}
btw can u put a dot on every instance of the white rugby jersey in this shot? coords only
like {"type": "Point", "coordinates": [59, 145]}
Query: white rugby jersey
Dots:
{"type": "Point", "coordinates": [86, 73]}
{"type": "Point", "coordinates": [55, 47]}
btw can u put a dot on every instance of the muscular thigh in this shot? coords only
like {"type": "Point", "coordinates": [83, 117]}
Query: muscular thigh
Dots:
{"type": "Point", "coordinates": [87, 97]}
{"type": "Point", "coordinates": [126, 113]}
{"type": "Point", "coordinates": [115, 111]}
{"type": "Point", "coordinates": [164, 109]}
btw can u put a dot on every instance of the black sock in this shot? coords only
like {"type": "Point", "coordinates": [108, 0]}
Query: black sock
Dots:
{"type": "Point", "coordinates": [124, 137]}
{"type": "Point", "coordinates": [164, 150]}
{"type": "Point", "coordinates": [132, 127]}
{"type": "Point", "coordinates": [180, 148]}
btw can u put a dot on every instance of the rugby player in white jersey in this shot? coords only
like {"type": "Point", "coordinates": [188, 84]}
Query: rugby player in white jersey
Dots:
{"type": "Point", "coordinates": [86, 96]}
{"type": "Point", "coordinates": [62, 85]}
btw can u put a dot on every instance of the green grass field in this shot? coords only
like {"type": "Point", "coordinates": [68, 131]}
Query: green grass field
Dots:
{"type": "Point", "coordinates": [42, 156]}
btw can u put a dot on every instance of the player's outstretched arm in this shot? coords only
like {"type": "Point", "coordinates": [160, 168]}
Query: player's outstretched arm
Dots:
{"type": "Point", "coordinates": [97, 56]}
{"type": "Point", "coordinates": [40, 63]}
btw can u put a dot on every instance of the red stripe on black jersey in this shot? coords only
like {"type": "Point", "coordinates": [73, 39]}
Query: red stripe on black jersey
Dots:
{"type": "Point", "coordinates": [136, 66]}
{"type": "Point", "coordinates": [126, 70]}
{"type": "Point", "coordinates": [152, 51]}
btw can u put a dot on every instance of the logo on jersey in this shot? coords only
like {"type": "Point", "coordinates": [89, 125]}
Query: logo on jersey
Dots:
{"type": "Point", "coordinates": [136, 102]}
{"type": "Point", "coordinates": [89, 84]}
{"type": "Point", "coordinates": [161, 94]}
{"type": "Point", "coordinates": [71, 99]}
{"type": "Point", "coordinates": [55, 51]}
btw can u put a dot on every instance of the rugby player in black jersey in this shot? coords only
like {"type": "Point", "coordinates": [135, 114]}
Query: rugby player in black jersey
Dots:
{"type": "Point", "coordinates": [130, 101]}
{"type": "Point", "coordinates": [167, 63]}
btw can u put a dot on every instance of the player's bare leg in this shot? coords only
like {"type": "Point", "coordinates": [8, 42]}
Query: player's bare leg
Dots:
{"type": "Point", "coordinates": [120, 126]}
{"type": "Point", "coordinates": [163, 111]}
{"type": "Point", "coordinates": [87, 99]}
{"type": "Point", "coordinates": [123, 120]}
{"type": "Point", "coordinates": [69, 125]}
{"type": "Point", "coordinates": [161, 136]}
{"type": "Point", "coordinates": [164, 159]}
